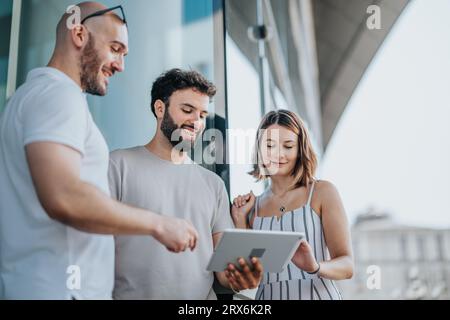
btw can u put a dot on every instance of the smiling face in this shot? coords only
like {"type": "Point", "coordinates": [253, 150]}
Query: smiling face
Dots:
{"type": "Point", "coordinates": [279, 150]}
{"type": "Point", "coordinates": [184, 117]}
{"type": "Point", "coordinates": [103, 55]}
{"type": "Point", "coordinates": [283, 148]}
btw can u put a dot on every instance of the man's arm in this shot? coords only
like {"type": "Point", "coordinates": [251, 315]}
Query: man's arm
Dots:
{"type": "Point", "coordinates": [55, 170]}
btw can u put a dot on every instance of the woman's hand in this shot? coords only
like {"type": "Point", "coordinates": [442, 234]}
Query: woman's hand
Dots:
{"type": "Point", "coordinates": [304, 257]}
{"type": "Point", "coordinates": [242, 205]}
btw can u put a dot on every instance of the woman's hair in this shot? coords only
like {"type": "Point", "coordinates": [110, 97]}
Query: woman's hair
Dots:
{"type": "Point", "coordinates": [306, 163]}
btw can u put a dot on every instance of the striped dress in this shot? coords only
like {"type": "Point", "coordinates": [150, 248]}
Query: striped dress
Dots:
{"type": "Point", "coordinates": [293, 283]}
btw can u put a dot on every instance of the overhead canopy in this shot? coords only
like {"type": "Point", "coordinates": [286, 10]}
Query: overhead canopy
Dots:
{"type": "Point", "coordinates": [345, 48]}
{"type": "Point", "coordinates": [319, 52]}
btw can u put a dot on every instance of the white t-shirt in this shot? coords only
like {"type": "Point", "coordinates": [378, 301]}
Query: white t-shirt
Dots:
{"type": "Point", "coordinates": [41, 258]}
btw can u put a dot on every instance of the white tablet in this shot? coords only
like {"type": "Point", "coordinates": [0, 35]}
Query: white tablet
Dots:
{"type": "Point", "coordinates": [274, 248]}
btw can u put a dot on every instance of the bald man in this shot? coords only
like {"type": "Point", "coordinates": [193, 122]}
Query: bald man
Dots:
{"type": "Point", "coordinates": [56, 215]}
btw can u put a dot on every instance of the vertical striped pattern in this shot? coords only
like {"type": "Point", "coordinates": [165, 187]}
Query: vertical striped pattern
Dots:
{"type": "Point", "coordinates": [293, 283]}
{"type": "Point", "coordinates": [312, 289]}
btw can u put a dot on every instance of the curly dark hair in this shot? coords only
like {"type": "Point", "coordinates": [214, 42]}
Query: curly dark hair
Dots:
{"type": "Point", "coordinates": [177, 79]}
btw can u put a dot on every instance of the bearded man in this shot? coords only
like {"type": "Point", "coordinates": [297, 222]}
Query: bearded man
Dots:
{"type": "Point", "coordinates": [56, 214]}
{"type": "Point", "coordinates": [161, 177]}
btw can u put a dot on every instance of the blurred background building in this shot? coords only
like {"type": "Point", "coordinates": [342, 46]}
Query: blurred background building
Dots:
{"type": "Point", "coordinates": [304, 55]}
{"type": "Point", "coordinates": [412, 263]}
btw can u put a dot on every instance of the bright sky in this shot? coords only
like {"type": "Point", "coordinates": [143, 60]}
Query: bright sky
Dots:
{"type": "Point", "coordinates": [391, 149]}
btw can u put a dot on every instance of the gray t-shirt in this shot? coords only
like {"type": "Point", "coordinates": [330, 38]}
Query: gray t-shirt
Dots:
{"type": "Point", "coordinates": [144, 267]}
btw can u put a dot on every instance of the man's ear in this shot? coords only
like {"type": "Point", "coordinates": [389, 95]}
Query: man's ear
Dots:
{"type": "Point", "coordinates": [79, 36]}
{"type": "Point", "coordinates": [160, 109]}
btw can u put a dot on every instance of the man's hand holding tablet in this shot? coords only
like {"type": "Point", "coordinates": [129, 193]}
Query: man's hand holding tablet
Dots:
{"type": "Point", "coordinates": [244, 277]}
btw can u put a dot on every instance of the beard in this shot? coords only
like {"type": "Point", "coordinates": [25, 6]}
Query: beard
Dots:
{"type": "Point", "coordinates": [173, 133]}
{"type": "Point", "coordinates": [90, 66]}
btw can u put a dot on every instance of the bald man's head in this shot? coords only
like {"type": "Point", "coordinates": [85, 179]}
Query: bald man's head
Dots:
{"type": "Point", "coordinates": [78, 13]}
{"type": "Point", "coordinates": [97, 47]}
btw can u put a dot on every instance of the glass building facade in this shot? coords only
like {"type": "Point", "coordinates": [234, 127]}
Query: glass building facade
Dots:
{"type": "Point", "coordinates": [6, 7]}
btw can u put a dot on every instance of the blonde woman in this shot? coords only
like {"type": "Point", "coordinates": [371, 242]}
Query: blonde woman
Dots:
{"type": "Point", "coordinates": [295, 201]}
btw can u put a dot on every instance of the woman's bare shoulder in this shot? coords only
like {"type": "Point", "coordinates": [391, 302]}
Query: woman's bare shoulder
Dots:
{"type": "Point", "coordinates": [325, 192]}
{"type": "Point", "coordinates": [325, 186]}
